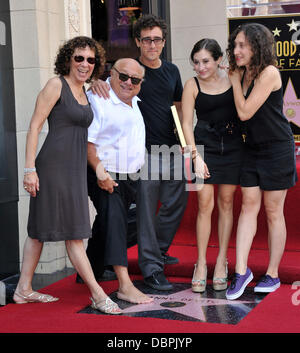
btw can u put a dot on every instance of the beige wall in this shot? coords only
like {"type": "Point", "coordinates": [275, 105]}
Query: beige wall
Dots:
{"type": "Point", "coordinates": [38, 28]}
{"type": "Point", "coordinates": [192, 20]}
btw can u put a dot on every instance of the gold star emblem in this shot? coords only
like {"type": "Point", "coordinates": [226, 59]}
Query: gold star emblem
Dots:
{"type": "Point", "coordinates": [276, 32]}
{"type": "Point", "coordinates": [293, 25]}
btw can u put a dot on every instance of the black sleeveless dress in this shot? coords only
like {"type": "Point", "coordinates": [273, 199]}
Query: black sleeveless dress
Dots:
{"type": "Point", "coordinates": [270, 161]}
{"type": "Point", "coordinates": [218, 129]}
{"type": "Point", "coordinates": [60, 210]}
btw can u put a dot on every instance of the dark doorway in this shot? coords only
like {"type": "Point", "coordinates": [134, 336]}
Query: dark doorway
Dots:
{"type": "Point", "coordinates": [112, 23]}
{"type": "Point", "coordinates": [9, 233]}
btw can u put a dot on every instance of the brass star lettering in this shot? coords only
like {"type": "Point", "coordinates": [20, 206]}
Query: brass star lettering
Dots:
{"type": "Point", "coordinates": [276, 32]}
{"type": "Point", "coordinates": [293, 26]}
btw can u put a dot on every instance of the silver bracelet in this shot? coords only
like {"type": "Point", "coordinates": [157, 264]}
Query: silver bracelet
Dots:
{"type": "Point", "coordinates": [29, 170]}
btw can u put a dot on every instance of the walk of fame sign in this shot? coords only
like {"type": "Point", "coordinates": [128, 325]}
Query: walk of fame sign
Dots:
{"type": "Point", "coordinates": [184, 305]}
{"type": "Point", "coordinates": [286, 31]}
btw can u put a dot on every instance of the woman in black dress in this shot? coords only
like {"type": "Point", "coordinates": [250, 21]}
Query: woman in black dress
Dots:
{"type": "Point", "coordinates": [269, 167]}
{"type": "Point", "coordinates": [218, 130]}
{"type": "Point", "coordinates": [56, 178]}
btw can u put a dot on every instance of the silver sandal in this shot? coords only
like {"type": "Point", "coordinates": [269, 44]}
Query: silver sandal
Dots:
{"type": "Point", "coordinates": [221, 283]}
{"type": "Point", "coordinates": [106, 306]}
{"type": "Point", "coordinates": [39, 298]}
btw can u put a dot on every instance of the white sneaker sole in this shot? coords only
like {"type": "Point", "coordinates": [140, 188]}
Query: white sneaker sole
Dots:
{"type": "Point", "coordinates": [241, 291]}
{"type": "Point", "coordinates": [266, 289]}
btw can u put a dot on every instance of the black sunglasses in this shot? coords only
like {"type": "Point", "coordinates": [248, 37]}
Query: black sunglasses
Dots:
{"type": "Point", "coordinates": [80, 59]}
{"type": "Point", "coordinates": [123, 77]}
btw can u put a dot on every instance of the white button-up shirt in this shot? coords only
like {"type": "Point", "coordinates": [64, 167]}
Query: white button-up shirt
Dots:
{"type": "Point", "coordinates": [118, 132]}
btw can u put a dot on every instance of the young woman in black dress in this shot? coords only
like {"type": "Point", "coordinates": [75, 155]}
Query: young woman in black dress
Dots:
{"type": "Point", "coordinates": [217, 129]}
{"type": "Point", "coordinates": [269, 167]}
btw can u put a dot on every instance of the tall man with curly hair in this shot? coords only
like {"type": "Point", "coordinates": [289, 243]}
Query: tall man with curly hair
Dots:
{"type": "Point", "coordinates": [161, 89]}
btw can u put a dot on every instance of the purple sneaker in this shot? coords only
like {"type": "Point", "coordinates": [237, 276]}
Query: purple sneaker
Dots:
{"type": "Point", "coordinates": [267, 284]}
{"type": "Point", "coordinates": [238, 284]}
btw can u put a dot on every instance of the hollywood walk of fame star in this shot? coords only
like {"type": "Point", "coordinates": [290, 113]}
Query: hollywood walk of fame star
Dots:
{"type": "Point", "coordinates": [291, 104]}
{"type": "Point", "coordinates": [184, 302]}
{"type": "Point", "coordinates": [184, 305]}
{"type": "Point", "coordinates": [293, 25]}
{"type": "Point", "coordinates": [276, 32]}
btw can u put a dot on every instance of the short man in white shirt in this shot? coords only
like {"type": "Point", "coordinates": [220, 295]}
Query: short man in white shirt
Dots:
{"type": "Point", "coordinates": [116, 152]}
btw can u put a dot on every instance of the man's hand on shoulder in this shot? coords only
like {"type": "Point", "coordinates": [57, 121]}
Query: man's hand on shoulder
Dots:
{"type": "Point", "coordinates": [101, 88]}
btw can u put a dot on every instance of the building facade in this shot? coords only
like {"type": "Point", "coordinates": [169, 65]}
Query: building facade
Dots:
{"type": "Point", "coordinates": [30, 34]}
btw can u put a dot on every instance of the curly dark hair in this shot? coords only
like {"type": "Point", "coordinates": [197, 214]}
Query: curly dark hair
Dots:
{"type": "Point", "coordinates": [149, 21]}
{"type": "Point", "coordinates": [262, 44]}
{"type": "Point", "coordinates": [63, 58]}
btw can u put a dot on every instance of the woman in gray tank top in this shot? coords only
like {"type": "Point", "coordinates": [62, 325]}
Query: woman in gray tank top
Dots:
{"type": "Point", "coordinates": [56, 178]}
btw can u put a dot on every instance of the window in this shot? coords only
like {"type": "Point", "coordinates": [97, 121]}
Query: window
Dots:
{"type": "Point", "coordinates": [237, 8]}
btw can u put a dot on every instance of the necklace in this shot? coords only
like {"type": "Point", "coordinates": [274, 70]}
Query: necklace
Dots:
{"type": "Point", "coordinates": [77, 92]}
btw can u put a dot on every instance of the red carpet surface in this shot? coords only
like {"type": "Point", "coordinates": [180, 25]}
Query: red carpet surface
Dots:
{"type": "Point", "coordinates": [184, 244]}
{"type": "Point", "coordinates": [289, 271]}
{"type": "Point", "coordinates": [278, 312]}
{"type": "Point", "coordinates": [186, 234]}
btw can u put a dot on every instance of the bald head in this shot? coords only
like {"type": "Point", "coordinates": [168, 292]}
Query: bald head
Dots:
{"type": "Point", "coordinates": [123, 73]}
{"type": "Point", "coordinates": [128, 62]}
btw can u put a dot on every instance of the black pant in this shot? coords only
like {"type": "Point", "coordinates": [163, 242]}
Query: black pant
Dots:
{"type": "Point", "coordinates": [114, 227]}
{"type": "Point", "coordinates": [156, 230]}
